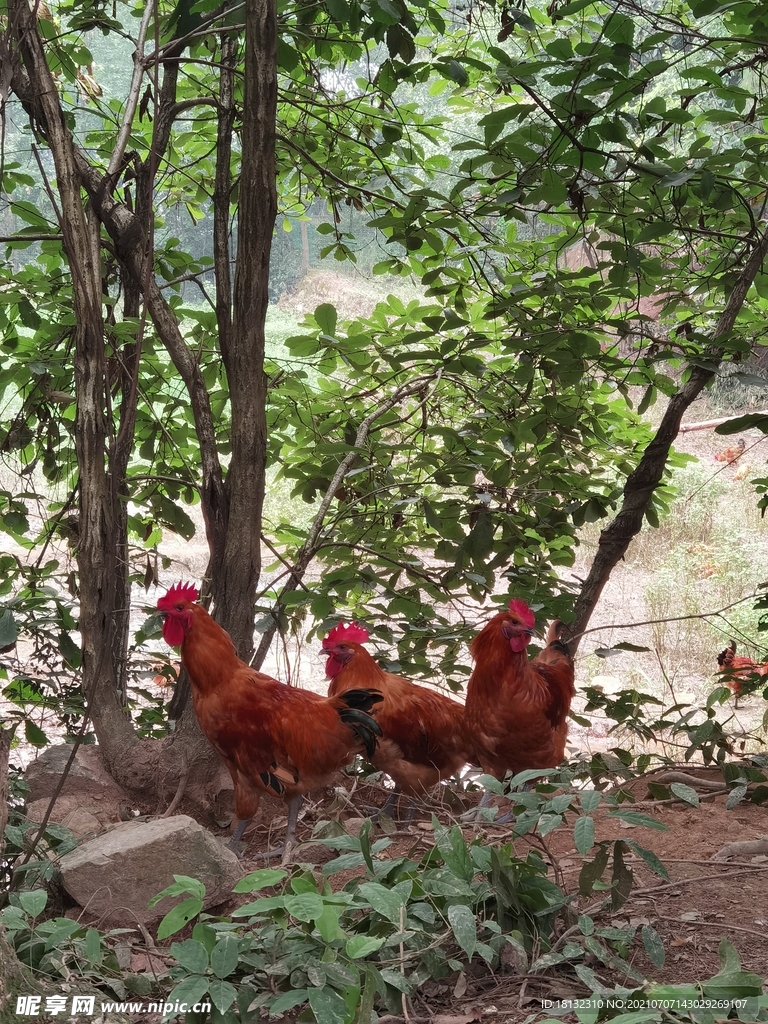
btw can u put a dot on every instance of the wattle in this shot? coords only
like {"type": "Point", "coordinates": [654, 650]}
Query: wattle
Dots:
{"type": "Point", "coordinates": [173, 633]}
{"type": "Point", "coordinates": [519, 643]}
{"type": "Point", "coordinates": [333, 666]}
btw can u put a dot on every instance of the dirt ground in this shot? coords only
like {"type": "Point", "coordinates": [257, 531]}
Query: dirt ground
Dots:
{"type": "Point", "coordinates": [704, 901]}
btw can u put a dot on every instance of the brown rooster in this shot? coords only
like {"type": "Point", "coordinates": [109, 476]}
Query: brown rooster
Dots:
{"type": "Point", "coordinates": [272, 737]}
{"type": "Point", "coordinates": [424, 738]}
{"type": "Point", "coordinates": [734, 669]}
{"type": "Point", "coordinates": [517, 709]}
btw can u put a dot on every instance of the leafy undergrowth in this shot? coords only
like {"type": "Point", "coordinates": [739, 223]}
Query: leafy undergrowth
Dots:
{"type": "Point", "coordinates": [376, 927]}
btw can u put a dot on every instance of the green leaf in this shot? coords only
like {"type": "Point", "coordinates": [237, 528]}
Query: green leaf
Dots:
{"type": "Point", "coordinates": [649, 857]}
{"type": "Point", "coordinates": [9, 631]}
{"type": "Point", "coordinates": [454, 71]}
{"type": "Point", "coordinates": [225, 956]}
{"type": "Point", "coordinates": [327, 1006]}
{"type": "Point", "coordinates": [262, 906]}
{"type": "Point", "coordinates": [328, 925]}
{"type": "Point", "coordinates": [464, 925]}
{"type": "Point", "coordinates": [584, 834]}
{"type": "Point", "coordinates": [204, 933]}
{"type": "Point", "coordinates": [180, 885]}
{"type": "Point", "coordinates": [30, 214]}
{"type": "Point", "coordinates": [326, 317]}
{"type": "Point", "coordinates": [365, 844]}
{"type": "Point", "coordinates": [586, 924]}
{"type": "Point", "coordinates": [453, 849]}
{"type": "Point", "coordinates": [735, 796]}
{"type": "Point", "coordinates": [365, 1008]}
{"type": "Point", "coordinates": [261, 879]}
{"type": "Point", "coordinates": [360, 946]}
{"type": "Point", "coordinates": [686, 793]}
{"type": "Point", "coordinates": [190, 991]}
{"type": "Point", "coordinates": [33, 903]}
{"type": "Point", "coordinates": [222, 994]}
{"type": "Point", "coordinates": [287, 1001]}
{"type": "Point", "coordinates": [34, 734]}
{"type": "Point", "coordinates": [738, 985]}
{"type": "Point", "coordinates": [179, 917]}
{"type": "Point", "coordinates": [590, 800]}
{"type": "Point", "coordinates": [730, 961]}
{"type": "Point", "coordinates": [69, 650]}
{"type": "Point", "coordinates": [621, 880]}
{"type": "Point", "coordinates": [740, 423]}
{"type": "Point", "coordinates": [654, 947]}
{"type": "Point", "coordinates": [93, 950]}
{"type": "Point", "coordinates": [592, 871]}
{"type": "Point", "coordinates": [338, 10]}
{"type": "Point", "coordinates": [306, 906]}
{"type": "Point", "coordinates": [191, 955]}
{"type": "Point", "coordinates": [385, 902]}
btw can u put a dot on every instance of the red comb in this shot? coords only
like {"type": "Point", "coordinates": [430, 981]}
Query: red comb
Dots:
{"type": "Point", "coordinates": [178, 592]}
{"type": "Point", "coordinates": [353, 633]}
{"type": "Point", "coordinates": [522, 611]}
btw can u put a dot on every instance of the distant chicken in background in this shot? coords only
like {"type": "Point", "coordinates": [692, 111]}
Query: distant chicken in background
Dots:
{"type": "Point", "coordinates": [517, 710]}
{"type": "Point", "coordinates": [424, 738]}
{"type": "Point", "coordinates": [731, 454]}
{"type": "Point", "coordinates": [734, 669]}
{"type": "Point", "coordinates": [272, 737]}
{"type": "Point", "coordinates": [745, 468]}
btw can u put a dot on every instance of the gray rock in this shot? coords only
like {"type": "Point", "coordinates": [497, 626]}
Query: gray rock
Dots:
{"type": "Point", "coordinates": [44, 773]}
{"type": "Point", "coordinates": [88, 785]}
{"type": "Point", "coordinates": [117, 873]}
{"type": "Point", "coordinates": [79, 814]}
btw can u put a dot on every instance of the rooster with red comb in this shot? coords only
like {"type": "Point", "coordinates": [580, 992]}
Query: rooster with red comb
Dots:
{"type": "Point", "coordinates": [273, 738]}
{"type": "Point", "coordinates": [517, 710]}
{"type": "Point", "coordinates": [424, 739]}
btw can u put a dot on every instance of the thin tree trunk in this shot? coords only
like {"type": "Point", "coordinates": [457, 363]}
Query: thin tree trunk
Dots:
{"type": "Point", "coordinates": [96, 553]}
{"type": "Point", "coordinates": [6, 735]}
{"type": "Point", "coordinates": [643, 481]}
{"type": "Point", "coordinates": [235, 579]}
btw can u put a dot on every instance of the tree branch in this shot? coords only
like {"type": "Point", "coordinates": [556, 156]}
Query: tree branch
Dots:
{"type": "Point", "coordinates": [132, 101]}
{"type": "Point", "coordinates": [643, 481]}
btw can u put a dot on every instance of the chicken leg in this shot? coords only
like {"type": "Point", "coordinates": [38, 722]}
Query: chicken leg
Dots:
{"type": "Point", "coordinates": [285, 848]}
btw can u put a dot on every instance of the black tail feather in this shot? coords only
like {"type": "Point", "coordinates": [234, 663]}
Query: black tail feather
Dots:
{"type": "Point", "coordinates": [357, 715]}
{"type": "Point", "coordinates": [361, 700]}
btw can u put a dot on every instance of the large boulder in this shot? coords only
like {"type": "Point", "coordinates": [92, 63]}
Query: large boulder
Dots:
{"type": "Point", "coordinates": [116, 874]}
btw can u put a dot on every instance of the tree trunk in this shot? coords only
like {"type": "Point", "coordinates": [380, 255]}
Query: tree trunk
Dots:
{"type": "Point", "coordinates": [643, 481]}
{"type": "Point", "coordinates": [236, 577]}
{"type": "Point", "coordinates": [6, 735]}
{"type": "Point", "coordinates": [97, 547]}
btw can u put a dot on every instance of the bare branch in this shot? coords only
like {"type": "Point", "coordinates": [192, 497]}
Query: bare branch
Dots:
{"type": "Point", "coordinates": [132, 101]}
